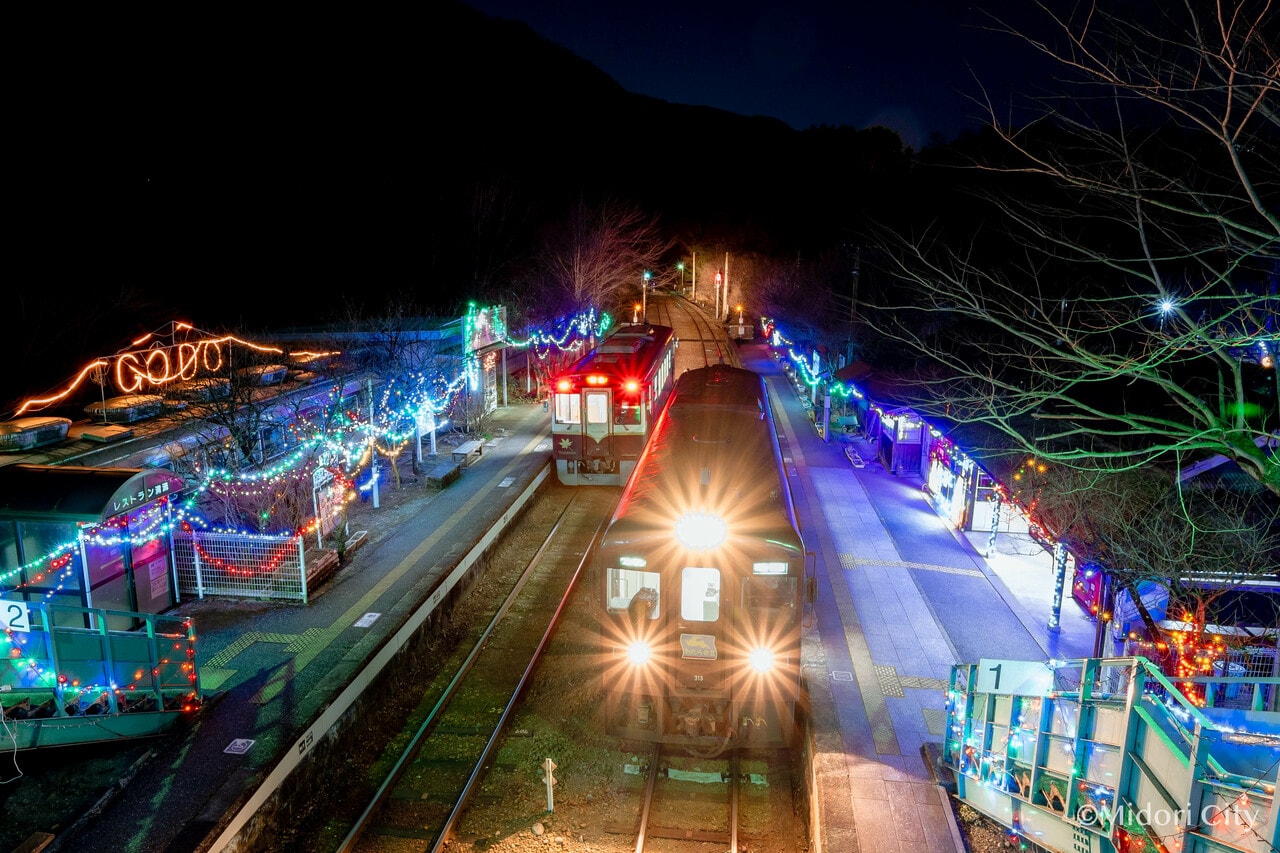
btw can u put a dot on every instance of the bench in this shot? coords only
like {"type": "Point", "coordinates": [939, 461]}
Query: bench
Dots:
{"type": "Point", "coordinates": [463, 452]}
{"type": "Point", "coordinates": [444, 473]}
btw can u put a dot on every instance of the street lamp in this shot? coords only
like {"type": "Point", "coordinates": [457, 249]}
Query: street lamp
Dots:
{"type": "Point", "coordinates": [680, 266]}
{"type": "Point", "coordinates": [635, 313]}
{"type": "Point", "coordinates": [644, 293]}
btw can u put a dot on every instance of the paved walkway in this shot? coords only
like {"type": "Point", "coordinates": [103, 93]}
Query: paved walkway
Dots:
{"type": "Point", "coordinates": [902, 597]}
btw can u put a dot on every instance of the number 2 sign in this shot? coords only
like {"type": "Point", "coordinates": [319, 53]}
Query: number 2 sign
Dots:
{"type": "Point", "coordinates": [14, 616]}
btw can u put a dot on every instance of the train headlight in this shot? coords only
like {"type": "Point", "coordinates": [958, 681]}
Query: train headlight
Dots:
{"type": "Point", "coordinates": [701, 531]}
{"type": "Point", "coordinates": [761, 659]}
{"type": "Point", "coordinates": [638, 653]}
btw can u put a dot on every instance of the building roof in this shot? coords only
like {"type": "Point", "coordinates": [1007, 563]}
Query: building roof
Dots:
{"type": "Point", "coordinates": [76, 493]}
{"type": "Point", "coordinates": [854, 371]}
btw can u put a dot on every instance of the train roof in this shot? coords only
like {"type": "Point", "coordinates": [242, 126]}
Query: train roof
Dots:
{"type": "Point", "coordinates": [631, 345]}
{"type": "Point", "coordinates": [714, 449]}
{"type": "Point", "coordinates": [722, 386]}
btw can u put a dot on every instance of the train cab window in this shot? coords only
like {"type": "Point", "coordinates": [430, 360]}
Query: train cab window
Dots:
{"type": "Point", "coordinates": [568, 409]}
{"type": "Point", "coordinates": [626, 414]}
{"type": "Point", "coordinates": [770, 599]}
{"type": "Point", "coordinates": [699, 594]}
{"type": "Point", "coordinates": [597, 407]}
{"type": "Point", "coordinates": [628, 585]}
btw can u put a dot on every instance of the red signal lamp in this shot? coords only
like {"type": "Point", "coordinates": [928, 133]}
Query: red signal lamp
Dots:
{"type": "Point", "coordinates": [564, 385]}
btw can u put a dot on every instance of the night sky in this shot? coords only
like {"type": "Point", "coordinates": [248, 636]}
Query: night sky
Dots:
{"type": "Point", "coordinates": [254, 172]}
{"type": "Point", "coordinates": [910, 65]}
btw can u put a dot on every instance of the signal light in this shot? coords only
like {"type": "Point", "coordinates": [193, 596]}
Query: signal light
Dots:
{"type": "Point", "coordinates": [597, 379]}
{"type": "Point", "coordinates": [631, 386]}
{"type": "Point", "coordinates": [564, 385]}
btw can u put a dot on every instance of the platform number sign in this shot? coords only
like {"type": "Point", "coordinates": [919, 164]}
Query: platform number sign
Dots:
{"type": "Point", "coordinates": [14, 616]}
{"type": "Point", "coordinates": [1016, 677]}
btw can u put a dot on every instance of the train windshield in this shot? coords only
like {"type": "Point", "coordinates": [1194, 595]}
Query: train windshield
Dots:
{"type": "Point", "coordinates": [626, 414]}
{"type": "Point", "coordinates": [699, 594]}
{"type": "Point", "coordinates": [568, 409]}
{"type": "Point", "coordinates": [769, 600]}
{"type": "Point", "coordinates": [629, 587]}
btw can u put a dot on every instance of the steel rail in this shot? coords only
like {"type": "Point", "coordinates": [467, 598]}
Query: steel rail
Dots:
{"type": "Point", "coordinates": [655, 761]}
{"type": "Point", "coordinates": [410, 751]}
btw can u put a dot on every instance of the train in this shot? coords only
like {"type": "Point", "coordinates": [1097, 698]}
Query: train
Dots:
{"type": "Point", "coordinates": [702, 579]}
{"type": "Point", "coordinates": [604, 404]}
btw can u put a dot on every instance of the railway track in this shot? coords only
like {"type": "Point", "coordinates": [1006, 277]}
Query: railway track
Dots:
{"type": "Point", "coordinates": [440, 766]}
{"type": "Point", "coordinates": [707, 346]}
{"type": "Point", "coordinates": [407, 771]}
{"type": "Point", "coordinates": [728, 803]}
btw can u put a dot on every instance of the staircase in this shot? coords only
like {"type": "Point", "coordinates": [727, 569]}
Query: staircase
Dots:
{"type": "Point", "coordinates": [69, 677]}
{"type": "Point", "coordinates": [1108, 755]}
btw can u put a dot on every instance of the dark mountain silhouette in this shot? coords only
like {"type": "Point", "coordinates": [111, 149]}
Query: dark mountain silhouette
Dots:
{"type": "Point", "coordinates": [251, 173]}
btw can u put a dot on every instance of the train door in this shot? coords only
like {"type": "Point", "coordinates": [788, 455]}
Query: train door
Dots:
{"type": "Point", "coordinates": [701, 619]}
{"type": "Point", "coordinates": [597, 423]}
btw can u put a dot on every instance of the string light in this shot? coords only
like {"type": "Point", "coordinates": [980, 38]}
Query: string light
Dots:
{"type": "Point", "coordinates": [158, 366]}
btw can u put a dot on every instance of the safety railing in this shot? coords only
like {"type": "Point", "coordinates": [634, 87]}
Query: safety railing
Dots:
{"type": "Point", "coordinates": [1110, 754]}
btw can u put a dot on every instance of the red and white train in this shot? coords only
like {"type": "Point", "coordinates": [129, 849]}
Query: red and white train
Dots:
{"type": "Point", "coordinates": [603, 406]}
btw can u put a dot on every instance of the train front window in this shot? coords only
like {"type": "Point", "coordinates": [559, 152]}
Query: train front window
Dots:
{"type": "Point", "coordinates": [633, 586]}
{"type": "Point", "coordinates": [770, 600]}
{"type": "Point", "coordinates": [626, 414]}
{"type": "Point", "coordinates": [568, 409]}
{"type": "Point", "coordinates": [597, 407]}
{"type": "Point", "coordinates": [699, 594]}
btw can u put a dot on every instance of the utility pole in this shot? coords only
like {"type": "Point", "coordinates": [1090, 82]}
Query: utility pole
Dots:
{"type": "Point", "coordinates": [726, 285]}
{"type": "Point", "coordinates": [853, 297]}
{"type": "Point", "coordinates": [693, 285]}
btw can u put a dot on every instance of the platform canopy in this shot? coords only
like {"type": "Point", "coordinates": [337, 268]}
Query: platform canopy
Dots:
{"type": "Point", "coordinates": [78, 493]}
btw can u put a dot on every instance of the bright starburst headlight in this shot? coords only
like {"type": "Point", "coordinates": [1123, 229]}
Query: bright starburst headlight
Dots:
{"type": "Point", "coordinates": [639, 653]}
{"type": "Point", "coordinates": [701, 531]}
{"type": "Point", "coordinates": [761, 659]}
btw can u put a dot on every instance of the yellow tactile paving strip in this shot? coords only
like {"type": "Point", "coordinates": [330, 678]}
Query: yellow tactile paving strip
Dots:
{"type": "Point", "coordinates": [879, 682]}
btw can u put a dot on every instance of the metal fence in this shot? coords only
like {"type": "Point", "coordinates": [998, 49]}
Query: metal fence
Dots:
{"type": "Point", "coordinates": [1238, 678]}
{"type": "Point", "coordinates": [239, 565]}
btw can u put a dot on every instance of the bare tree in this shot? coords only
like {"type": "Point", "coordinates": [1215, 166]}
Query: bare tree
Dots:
{"type": "Point", "coordinates": [597, 258]}
{"type": "Point", "coordinates": [592, 261]}
{"type": "Point", "coordinates": [814, 292]}
{"type": "Point", "coordinates": [1131, 310]}
{"type": "Point", "coordinates": [497, 217]}
{"type": "Point", "coordinates": [1200, 543]}
{"type": "Point", "coordinates": [399, 350]}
